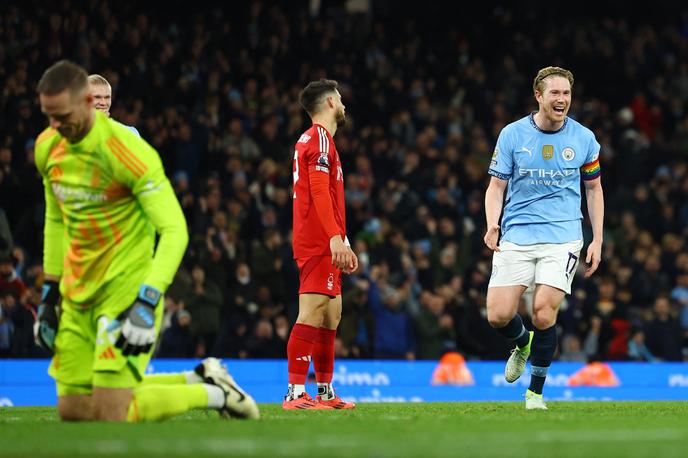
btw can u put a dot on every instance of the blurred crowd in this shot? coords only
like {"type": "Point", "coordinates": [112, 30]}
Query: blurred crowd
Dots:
{"type": "Point", "coordinates": [215, 92]}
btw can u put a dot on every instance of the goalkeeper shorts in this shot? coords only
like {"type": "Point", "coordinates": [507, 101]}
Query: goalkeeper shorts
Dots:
{"type": "Point", "coordinates": [85, 352]}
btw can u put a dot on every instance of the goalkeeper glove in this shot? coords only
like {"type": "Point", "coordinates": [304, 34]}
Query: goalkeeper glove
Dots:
{"type": "Point", "coordinates": [138, 323]}
{"type": "Point", "coordinates": [45, 327]}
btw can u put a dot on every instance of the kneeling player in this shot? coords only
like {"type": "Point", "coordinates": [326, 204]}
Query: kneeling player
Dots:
{"type": "Point", "coordinates": [106, 197]}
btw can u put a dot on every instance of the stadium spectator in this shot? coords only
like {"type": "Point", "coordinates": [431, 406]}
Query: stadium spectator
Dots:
{"type": "Point", "coordinates": [176, 340]}
{"type": "Point", "coordinates": [10, 282]}
{"type": "Point", "coordinates": [434, 328]}
{"type": "Point", "coordinates": [204, 305]}
{"type": "Point", "coordinates": [663, 332]}
{"type": "Point", "coordinates": [637, 350]}
{"type": "Point", "coordinates": [571, 349]}
{"type": "Point", "coordinates": [428, 104]}
{"type": "Point", "coordinates": [394, 334]}
{"type": "Point", "coordinates": [263, 342]}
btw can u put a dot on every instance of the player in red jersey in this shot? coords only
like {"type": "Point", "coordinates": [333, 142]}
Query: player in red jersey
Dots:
{"type": "Point", "coordinates": [321, 249]}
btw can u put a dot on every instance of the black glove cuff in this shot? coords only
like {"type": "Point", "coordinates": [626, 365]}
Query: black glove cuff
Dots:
{"type": "Point", "coordinates": [51, 292]}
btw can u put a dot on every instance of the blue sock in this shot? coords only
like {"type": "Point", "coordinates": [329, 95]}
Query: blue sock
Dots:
{"type": "Point", "coordinates": [541, 354]}
{"type": "Point", "coordinates": [514, 330]}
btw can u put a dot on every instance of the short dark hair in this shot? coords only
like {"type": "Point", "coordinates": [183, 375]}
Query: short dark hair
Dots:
{"type": "Point", "coordinates": [312, 94]}
{"type": "Point", "coordinates": [63, 75]}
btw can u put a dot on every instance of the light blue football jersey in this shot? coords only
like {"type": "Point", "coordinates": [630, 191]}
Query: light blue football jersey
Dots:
{"type": "Point", "coordinates": [131, 128]}
{"type": "Point", "coordinates": [544, 169]}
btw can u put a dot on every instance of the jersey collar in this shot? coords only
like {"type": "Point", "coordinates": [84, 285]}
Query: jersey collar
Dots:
{"type": "Point", "coordinates": [324, 128]}
{"type": "Point", "coordinates": [531, 117]}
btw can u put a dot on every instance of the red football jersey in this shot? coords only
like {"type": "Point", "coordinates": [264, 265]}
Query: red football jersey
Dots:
{"type": "Point", "coordinates": [316, 155]}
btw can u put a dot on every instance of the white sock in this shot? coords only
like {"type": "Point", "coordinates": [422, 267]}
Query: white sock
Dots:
{"type": "Point", "coordinates": [325, 391]}
{"type": "Point", "coordinates": [294, 391]}
{"type": "Point", "coordinates": [192, 377]}
{"type": "Point", "coordinates": [216, 397]}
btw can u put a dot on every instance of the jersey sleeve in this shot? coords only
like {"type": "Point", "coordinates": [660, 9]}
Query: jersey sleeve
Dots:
{"type": "Point", "coordinates": [319, 159]}
{"type": "Point", "coordinates": [318, 155]}
{"type": "Point", "coordinates": [143, 173]}
{"type": "Point", "coordinates": [53, 234]}
{"type": "Point", "coordinates": [53, 228]}
{"type": "Point", "coordinates": [502, 161]}
{"type": "Point", "coordinates": [591, 169]}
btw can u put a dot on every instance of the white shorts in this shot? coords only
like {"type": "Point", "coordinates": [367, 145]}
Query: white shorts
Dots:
{"type": "Point", "coordinates": [552, 264]}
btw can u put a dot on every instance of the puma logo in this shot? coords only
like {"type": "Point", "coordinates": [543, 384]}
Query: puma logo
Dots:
{"type": "Point", "coordinates": [529, 151]}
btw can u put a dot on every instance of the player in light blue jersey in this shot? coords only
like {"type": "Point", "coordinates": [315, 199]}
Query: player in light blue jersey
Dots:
{"type": "Point", "coordinates": [102, 97]}
{"type": "Point", "coordinates": [539, 161]}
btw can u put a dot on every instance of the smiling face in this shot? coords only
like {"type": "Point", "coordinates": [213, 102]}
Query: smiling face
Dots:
{"type": "Point", "coordinates": [102, 97]}
{"type": "Point", "coordinates": [555, 99]}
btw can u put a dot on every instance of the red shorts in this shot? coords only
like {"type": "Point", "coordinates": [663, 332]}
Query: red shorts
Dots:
{"type": "Point", "coordinates": [318, 275]}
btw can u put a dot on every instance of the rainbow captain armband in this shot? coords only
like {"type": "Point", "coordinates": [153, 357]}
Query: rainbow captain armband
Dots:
{"type": "Point", "coordinates": [591, 170]}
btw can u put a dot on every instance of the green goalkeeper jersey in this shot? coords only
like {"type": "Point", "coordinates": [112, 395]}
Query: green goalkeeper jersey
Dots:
{"type": "Point", "coordinates": [106, 196]}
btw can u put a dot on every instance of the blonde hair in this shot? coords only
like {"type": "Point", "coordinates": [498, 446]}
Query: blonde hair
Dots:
{"type": "Point", "coordinates": [538, 82]}
{"type": "Point", "coordinates": [97, 80]}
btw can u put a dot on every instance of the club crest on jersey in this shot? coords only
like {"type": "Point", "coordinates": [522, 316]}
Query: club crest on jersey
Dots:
{"type": "Point", "coordinates": [330, 282]}
{"type": "Point", "coordinates": [304, 138]}
{"type": "Point", "coordinates": [568, 154]}
{"type": "Point", "coordinates": [547, 152]}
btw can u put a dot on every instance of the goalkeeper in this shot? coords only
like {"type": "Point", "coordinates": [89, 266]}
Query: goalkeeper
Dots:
{"type": "Point", "coordinates": [106, 197]}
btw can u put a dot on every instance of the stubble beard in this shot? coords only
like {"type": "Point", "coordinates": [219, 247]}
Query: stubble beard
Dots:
{"type": "Point", "coordinates": [340, 119]}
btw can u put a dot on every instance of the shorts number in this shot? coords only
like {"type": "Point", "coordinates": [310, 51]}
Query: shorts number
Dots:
{"type": "Point", "coordinates": [571, 265]}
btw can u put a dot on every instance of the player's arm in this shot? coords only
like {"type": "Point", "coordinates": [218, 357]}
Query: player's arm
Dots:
{"type": "Point", "coordinates": [139, 167]}
{"type": "Point", "coordinates": [53, 231]}
{"type": "Point", "coordinates": [319, 181]}
{"type": "Point", "coordinates": [46, 324]}
{"type": "Point", "coordinates": [494, 200]}
{"type": "Point", "coordinates": [146, 179]}
{"type": "Point", "coordinates": [591, 175]}
{"type": "Point", "coordinates": [353, 267]}
{"type": "Point", "coordinates": [595, 198]}
{"type": "Point", "coordinates": [162, 208]}
{"type": "Point", "coordinates": [501, 166]}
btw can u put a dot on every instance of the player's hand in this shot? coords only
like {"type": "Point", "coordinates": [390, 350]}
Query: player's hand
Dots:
{"type": "Point", "coordinates": [351, 268]}
{"type": "Point", "coordinates": [45, 327]}
{"type": "Point", "coordinates": [341, 254]}
{"type": "Point", "coordinates": [138, 323]}
{"type": "Point", "coordinates": [492, 237]}
{"type": "Point", "coordinates": [593, 257]}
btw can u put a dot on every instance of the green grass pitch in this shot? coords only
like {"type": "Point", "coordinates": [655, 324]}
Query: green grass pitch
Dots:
{"type": "Point", "coordinates": [568, 429]}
